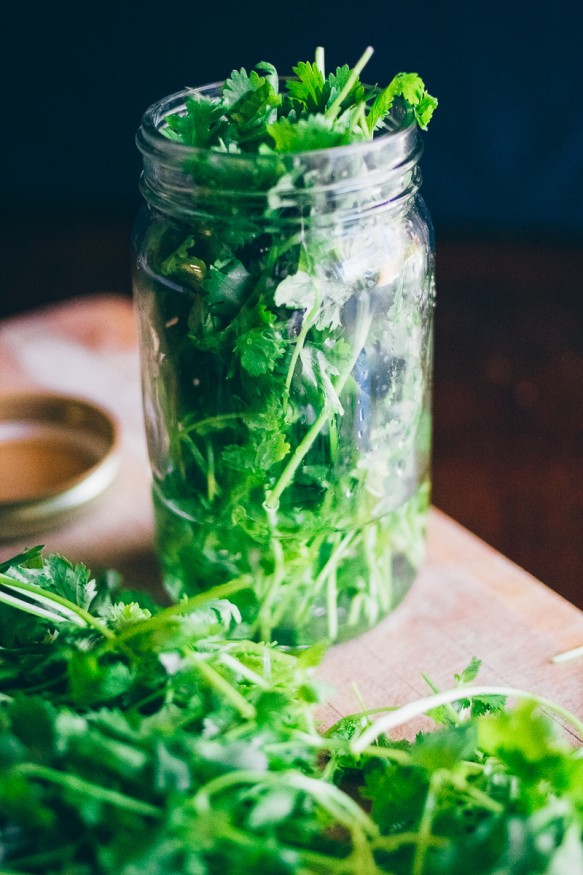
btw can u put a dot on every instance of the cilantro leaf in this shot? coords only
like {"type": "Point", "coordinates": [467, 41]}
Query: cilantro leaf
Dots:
{"type": "Point", "coordinates": [411, 87]}
{"type": "Point", "coordinates": [183, 265]}
{"type": "Point", "coordinates": [444, 749]}
{"type": "Point", "coordinates": [251, 103]}
{"type": "Point", "coordinates": [297, 291]}
{"type": "Point", "coordinates": [270, 74]}
{"type": "Point", "coordinates": [307, 134]}
{"type": "Point", "coordinates": [226, 286]}
{"type": "Point", "coordinates": [31, 558]}
{"type": "Point", "coordinates": [261, 346]}
{"type": "Point", "coordinates": [258, 456]}
{"type": "Point", "coordinates": [71, 581]}
{"type": "Point", "coordinates": [308, 89]}
{"type": "Point", "coordinates": [470, 672]}
{"type": "Point", "coordinates": [200, 125]}
{"type": "Point", "coordinates": [238, 85]}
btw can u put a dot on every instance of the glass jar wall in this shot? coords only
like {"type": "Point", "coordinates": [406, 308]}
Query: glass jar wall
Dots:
{"type": "Point", "coordinates": [285, 308]}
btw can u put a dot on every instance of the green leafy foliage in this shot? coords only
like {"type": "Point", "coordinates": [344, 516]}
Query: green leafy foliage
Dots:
{"type": "Point", "coordinates": [316, 111]}
{"type": "Point", "coordinates": [260, 346]}
{"type": "Point", "coordinates": [167, 745]}
{"type": "Point", "coordinates": [411, 88]}
{"type": "Point", "coordinates": [200, 126]}
{"type": "Point", "coordinates": [306, 134]}
{"type": "Point", "coordinates": [251, 104]}
{"type": "Point", "coordinates": [261, 379]}
{"type": "Point", "coordinates": [308, 88]}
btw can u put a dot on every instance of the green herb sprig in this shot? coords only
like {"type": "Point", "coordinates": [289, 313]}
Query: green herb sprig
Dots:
{"type": "Point", "coordinates": [315, 110]}
{"type": "Point", "coordinates": [149, 739]}
{"type": "Point", "coordinates": [264, 473]}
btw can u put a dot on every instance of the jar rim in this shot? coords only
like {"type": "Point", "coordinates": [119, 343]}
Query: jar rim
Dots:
{"type": "Point", "coordinates": [150, 137]}
{"type": "Point", "coordinates": [184, 180]}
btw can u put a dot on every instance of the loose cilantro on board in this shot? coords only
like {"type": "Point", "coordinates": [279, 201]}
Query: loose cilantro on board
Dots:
{"type": "Point", "coordinates": [135, 738]}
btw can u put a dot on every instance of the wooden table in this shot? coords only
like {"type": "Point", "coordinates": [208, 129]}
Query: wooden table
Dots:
{"type": "Point", "coordinates": [468, 600]}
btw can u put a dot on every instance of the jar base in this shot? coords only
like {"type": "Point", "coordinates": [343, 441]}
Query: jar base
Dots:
{"type": "Point", "coordinates": [356, 578]}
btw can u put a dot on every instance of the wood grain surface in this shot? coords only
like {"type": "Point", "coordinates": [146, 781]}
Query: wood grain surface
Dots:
{"type": "Point", "coordinates": [467, 601]}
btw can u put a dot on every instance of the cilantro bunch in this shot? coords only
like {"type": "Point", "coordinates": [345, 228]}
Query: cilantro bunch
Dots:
{"type": "Point", "coordinates": [285, 297]}
{"type": "Point", "coordinates": [136, 738]}
{"type": "Point", "coordinates": [315, 110]}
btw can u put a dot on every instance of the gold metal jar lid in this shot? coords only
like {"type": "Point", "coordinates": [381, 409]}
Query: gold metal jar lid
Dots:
{"type": "Point", "coordinates": [57, 453]}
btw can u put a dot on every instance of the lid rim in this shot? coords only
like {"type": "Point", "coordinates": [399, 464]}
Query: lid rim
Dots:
{"type": "Point", "coordinates": [79, 418]}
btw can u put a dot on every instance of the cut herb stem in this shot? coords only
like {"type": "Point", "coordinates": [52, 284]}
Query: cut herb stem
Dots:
{"type": "Point", "coordinates": [87, 788]}
{"type": "Point", "coordinates": [187, 606]}
{"type": "Point", "coordinates": [422, 706]}
{"type": "Point", "coordinates": [364, 319]}
{"type": "Point", "coordinates": [320, 61]}
{"type": "Point", "coordinates": [334, 109]}
{"type": "Point", "coordinates": [61, 608]}
{"type": "Point", "coordinates": [231, 694]}
{"type": "Point", "coordinates": [568, 655]}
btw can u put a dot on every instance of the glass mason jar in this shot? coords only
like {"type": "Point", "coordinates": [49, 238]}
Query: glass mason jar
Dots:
{"type": "Point", "coordinates": [285, 308]}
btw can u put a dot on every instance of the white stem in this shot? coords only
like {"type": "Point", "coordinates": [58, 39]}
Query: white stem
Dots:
{"type": "Point", "coordinates": [568, 655]}
{"type": "Point", "coordinates": [35, 610]}
{"type": "Point", "coordinates": [320, 61]}
{"type": "Point", "coordinates": [421, 706]}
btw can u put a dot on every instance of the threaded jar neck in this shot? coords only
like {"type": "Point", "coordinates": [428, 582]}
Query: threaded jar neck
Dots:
{"type": "Point", "coordinates": [320, 186]}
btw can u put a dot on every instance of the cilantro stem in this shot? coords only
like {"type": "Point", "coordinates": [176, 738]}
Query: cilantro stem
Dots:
{"type": "Point", "coordinates": [318, 860]}
{"type": "Point", "coordinates": [309, 320]}
{"type": "Point", "coordinates": [69, 610]}
{"type": "Point", "coordinates": [450, 710]}
{"type": "Point", "coordinates": [394, 842]}
{"type": "Point", "coordinates": [222, 686]}
{"type": "Point", "coordinates": [332, 605]}
{"type": "Point", "coordinates": [333, 438]}
{"type": "Point", "coordinates": [28, 608]}
{"type": "Point", "coordinates": [212, 488]}
{"type": "Point", "coordinates": [421, 706]}
{"type": "Point", "coordinates": [361, 122]}
{"type": "Point", "coordinates": [194, 453]}
{"type": "Point", "coordinates": [358, 715]}
{"type": "Point", "coordinates": [479, 796]}
{"type": "Point", "coordinates": [568, 655]}
{"type": "Point", "coordinates": [86, 788]}
{"type": "Point", "coordinates": [364, 320]}
{"type": "Point", "coordinates": [377, 594]}
{"type": "Point", "coordinates": [265, 622]}
{"type": "Point", "coordinates": [424, 833]}
{"type": "Point", "coordinates": [41, 861]}
{"type": "Point", "coordinates": [327, 569]}
{"type": "Point", "coordinates": [334, 108]}
{"type": "Point", "coordinates": [212, 422]}
{"type": "Point", "coordinates": [388, 753]}
{"type": "Point", "coordinates": [341, 806]}
{"type": "Point", "coordinates": [332, 744]}
{"type": "Point", "coordinates": [320, 61]}
{"type": "Point", "coordinates": [224, 590]}
{"type": "Point", "coordinates": [239, 667]}
{"type": "Point", "coordinates": [329, 572]}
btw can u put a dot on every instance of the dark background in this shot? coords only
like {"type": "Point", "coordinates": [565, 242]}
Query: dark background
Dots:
{"type": "Point", "coordinates": [503, 178]}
